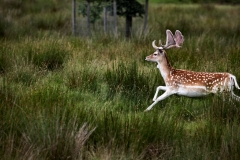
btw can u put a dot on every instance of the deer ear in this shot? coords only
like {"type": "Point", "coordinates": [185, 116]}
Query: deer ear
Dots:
{"type": "Point", "coordinates": [179, 38]}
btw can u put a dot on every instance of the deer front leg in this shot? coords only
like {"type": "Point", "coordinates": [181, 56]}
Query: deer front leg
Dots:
{"type": "Point", "coordinates": [163, 96]}
{"type": "Point", "coordinates": [164, 88]}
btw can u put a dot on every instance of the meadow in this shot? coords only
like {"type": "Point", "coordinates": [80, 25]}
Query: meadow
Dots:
{"type": "Point", "coordinates": [66, 97]}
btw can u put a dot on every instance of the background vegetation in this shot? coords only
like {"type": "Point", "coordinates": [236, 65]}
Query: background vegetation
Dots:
{"type": "Point", "coordinates": [63, 97]}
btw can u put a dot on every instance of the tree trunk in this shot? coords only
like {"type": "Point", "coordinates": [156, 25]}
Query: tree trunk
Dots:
{"type": "Point", "coordinates": [128, 26]}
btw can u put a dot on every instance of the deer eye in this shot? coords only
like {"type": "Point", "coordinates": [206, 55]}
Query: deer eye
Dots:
{"type": "Point", "coordinates": [160, 51]}
{"type": "Point", "coordinates": [155, 54]}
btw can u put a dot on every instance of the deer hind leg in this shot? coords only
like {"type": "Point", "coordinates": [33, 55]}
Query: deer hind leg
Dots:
{"type": "Point", "coordinates": [234, 83]}
{"type": "Point", "coordinates": [163, 96]}
{"type": "Point", "coordinates": [164, 88]}
{"type": "Point", "coordinates": [234, 96]}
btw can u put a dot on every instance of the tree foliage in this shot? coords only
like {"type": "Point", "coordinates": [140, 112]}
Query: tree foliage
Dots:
{"type": "Point", "coordinates": [126, 8]}
{"type": "Point", "coordinates": [130, 8]}
{"type": "Point", "coordinates": [95, 11]}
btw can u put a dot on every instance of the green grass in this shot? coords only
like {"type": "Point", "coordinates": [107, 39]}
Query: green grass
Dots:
{"type": "Point", "coordinates": [63, 97]}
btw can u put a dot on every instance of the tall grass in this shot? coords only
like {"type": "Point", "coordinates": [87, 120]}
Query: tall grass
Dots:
{"type": "Point", "coordinates": [75, 98]}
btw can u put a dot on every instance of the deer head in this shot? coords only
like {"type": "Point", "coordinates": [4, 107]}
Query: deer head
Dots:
{"type": "Point", "coordinates": [171, 41]}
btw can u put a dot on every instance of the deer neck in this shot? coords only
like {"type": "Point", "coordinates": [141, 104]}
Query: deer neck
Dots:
{"type": "Point", "coordinates": [164, 67]}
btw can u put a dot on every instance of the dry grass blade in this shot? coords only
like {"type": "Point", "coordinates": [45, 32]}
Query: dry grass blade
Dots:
{"type": "Point", "coordinates": [81, 137]}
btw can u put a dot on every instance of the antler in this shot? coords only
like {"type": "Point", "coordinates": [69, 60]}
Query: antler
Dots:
{"type": "Point", "coordinates": [172, 40]}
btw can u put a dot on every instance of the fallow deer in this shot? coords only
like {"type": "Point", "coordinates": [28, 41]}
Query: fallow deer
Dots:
{"type": "Point", "coordinates": [185, 82]}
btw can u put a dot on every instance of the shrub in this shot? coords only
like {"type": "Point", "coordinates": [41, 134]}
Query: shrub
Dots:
{"type": "Point", "coordinates": [48, 56]}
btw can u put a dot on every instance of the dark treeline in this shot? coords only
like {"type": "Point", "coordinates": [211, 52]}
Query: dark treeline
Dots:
{"type": "Point", "coordinates": [217, 1]}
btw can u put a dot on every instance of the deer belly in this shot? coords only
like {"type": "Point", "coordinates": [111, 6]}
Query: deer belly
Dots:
{"type": "Point", "coordinates": [192, 91]}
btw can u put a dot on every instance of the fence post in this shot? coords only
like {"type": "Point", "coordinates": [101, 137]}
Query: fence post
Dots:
{"type": "Point", "coordinates": [145, 26]}
{"type": "Point", "coordinates": [88, 18]}
{"type": "Point", "coordinates": [115, 16]}
{"type": "Point", "coordinates": [105, 19]}
{"type": "Point", "coordinates": [74, 17]}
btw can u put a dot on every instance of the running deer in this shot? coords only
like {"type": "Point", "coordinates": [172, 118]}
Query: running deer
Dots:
{"type": "Point", "coordinates": [185, 82]}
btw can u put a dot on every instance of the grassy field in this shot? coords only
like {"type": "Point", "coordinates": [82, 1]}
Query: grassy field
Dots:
{"type": "Point", "coordinates": [63, 97]}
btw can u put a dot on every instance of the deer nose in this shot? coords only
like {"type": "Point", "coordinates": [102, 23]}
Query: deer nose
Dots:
{"type": "Point", "coordinates": [147, 58]}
